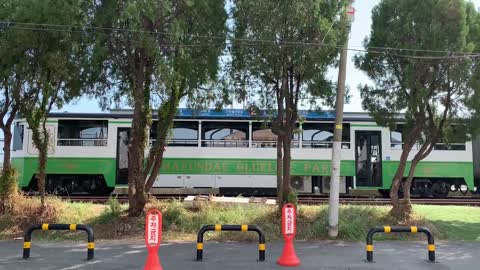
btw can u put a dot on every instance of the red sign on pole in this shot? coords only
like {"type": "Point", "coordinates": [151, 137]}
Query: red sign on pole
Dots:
{"type": "Point", "coordinates": [153, 237]}
{"type": "Point", "coordinates": [289, 219]}
{"type": "Point", "coordinates": [289, 229]}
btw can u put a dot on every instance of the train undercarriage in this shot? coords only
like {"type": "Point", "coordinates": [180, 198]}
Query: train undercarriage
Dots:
{"type": "Point", "coordinates": [66, 185]}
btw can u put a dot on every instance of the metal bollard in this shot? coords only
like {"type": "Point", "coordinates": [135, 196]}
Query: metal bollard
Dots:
{"type": "Point", "coordinates": [64, 227]}
{"type": "Point", "coordinates": [389, 229]}
{"type": "Point", "coordinates": [240, 228]}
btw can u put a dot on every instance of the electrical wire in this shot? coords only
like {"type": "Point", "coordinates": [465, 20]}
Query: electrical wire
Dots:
{"type": "Point", "coordinates": [244, 41]}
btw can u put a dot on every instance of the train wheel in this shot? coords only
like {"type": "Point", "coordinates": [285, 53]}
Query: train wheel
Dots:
{"type": "Point", "coordinates": [463, 189]}
{"type": "Point", "coordinates": [440, 189]}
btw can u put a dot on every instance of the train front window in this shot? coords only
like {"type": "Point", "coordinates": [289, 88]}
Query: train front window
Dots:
{"type": "Point", "coordinates": [82, 133]}
{"type": "Point", "coordinates": [17, 137]}
{"type": "Point", "coordinates": [224, 134]}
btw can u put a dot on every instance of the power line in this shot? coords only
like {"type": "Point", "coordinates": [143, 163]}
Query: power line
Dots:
{"type": "Point", "coordinates": [247, 42]}
{"type": "Point", "coordinates": [223, 38]}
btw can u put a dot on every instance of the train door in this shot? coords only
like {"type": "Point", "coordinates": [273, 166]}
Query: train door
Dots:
{"type": "Point", "coordinates": [368, 158]}
{"type": "Point", "coordinates": [123, 137]}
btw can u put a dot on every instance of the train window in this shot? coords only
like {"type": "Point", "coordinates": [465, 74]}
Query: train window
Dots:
{"type": "Point", "coordinates": [320, 135]}
{"type": "Point", "coordinates": [454, 140]}
{"type": "Point", "coordinates": [18, 137]}
{"type": "Point", "coordinates": [263, 136]}
{"type": "Point", "coordinates": [396, 138]}
{"type": "Point", "coordinates": [225, 134]}
{"type": "Point", "coordinates": [183, 133]}
{"type": "Point", "coordinates": [82, 133]}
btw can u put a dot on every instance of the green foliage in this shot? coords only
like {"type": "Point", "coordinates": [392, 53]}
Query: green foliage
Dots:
{"type": "Point", "coordinates": [114, 206]}
{"type": "Point", "coordinates": [171, 36]}
{"type": "Point", "coordinates": [153, 54]}
{"type": "Point", "coordinates": [44, 51]}
{"type": "Point", "coordinates": [276, 68]}
{"type": "Point", "coordinates": [8, 182]}
{"type": "Point", "coordinates": [434, 79]}
{"type": "Point", "coordinates": [174, 214]}
{"type": "Point", "coordinates": [182, 223]}
{"type": "Point", "coordinates": [429, 77]}
{"type": "Point", "coordinates": [292, 197]}
{"type": "Point", "coordinates": [8, 189]}
{"type": "Point", "coordinates": [276, 51]}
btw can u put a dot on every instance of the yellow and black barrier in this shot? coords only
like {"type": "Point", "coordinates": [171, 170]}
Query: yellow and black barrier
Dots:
{"type": "Point", "coordinates": [64, 227]}
{"type": "Point", "coordinates": [389, 229]}
{"type": "Point", "coordinates": [239, 228]}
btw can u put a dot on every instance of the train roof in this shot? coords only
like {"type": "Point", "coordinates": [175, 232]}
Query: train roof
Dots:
{"type": "Point", "coordinates": [237, 114]}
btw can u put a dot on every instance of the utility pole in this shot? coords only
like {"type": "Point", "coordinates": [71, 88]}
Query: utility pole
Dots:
{"type": "Point", "coordinates": [333, 202]}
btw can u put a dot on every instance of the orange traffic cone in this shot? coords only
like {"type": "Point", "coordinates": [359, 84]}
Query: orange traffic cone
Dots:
{"type": "Point", "coordinates": [289, 257]}
{"type": "Point", "coordinates": [153, 262]}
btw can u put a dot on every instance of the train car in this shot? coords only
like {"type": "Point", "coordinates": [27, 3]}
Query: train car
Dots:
{"type": "Point", "coordinates": [234, 152]}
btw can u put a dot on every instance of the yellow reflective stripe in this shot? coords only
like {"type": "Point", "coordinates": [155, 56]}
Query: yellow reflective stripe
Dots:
{"type": "Point", "coordinates": [199, 246]}
{"type": "Point", "coordinates": [414, 229]}
{"type": "Point", "coordinates": [338, 126]}
{"type": "Point", "coordinates": [218, 227]}
{"type": "Point", "coordinates": [261, 246]}
{"type": "Point", "coordinates": [73, 227]}
{"type": "Point", "coordinates": [387, 229]}
{"type": "Point", "coordinates": [244, 228]}
{"type": "Point", "coordinates": [431, 247]}
{"type": "Point", "coordinates": [27, 244]}
{"type": "Point", "coordinates": [91, 245]}
{"type": "Point", "coordinates": [369, 247]}
{"type": "Point", "coordinates": [45, 227]}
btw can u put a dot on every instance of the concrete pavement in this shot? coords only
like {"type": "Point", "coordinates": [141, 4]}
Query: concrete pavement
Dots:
{"type": "Point", "coordinates": [221, 256]}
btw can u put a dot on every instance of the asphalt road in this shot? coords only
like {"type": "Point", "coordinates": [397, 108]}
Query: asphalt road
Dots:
{"type": "Point", "coordinates": [220, 256]}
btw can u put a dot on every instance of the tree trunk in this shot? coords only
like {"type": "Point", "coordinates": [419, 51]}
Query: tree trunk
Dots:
{"type": "Point", "coordinates": [280, 197]}
{"type": "Point", "coordinates": [8, 182]}
{"type": "Point", "coordinates": [7, 134]}
{"type": "Point", "coordinates": [41, 176]}
{"type": "Point", "coordinates": [398, 210]}
{"type": "Point", "coordinates": [408, 183]}
{"type": "Point", "coordinates": [40, 138]}
{"type": "Point", "coordinates": [9, 185]}
{"type": "Point", "coordinates": [424, 151]}
{"type": "Point", "coordinates": [166, 115]}
{"type": "Point", "coordinates": [287, 157]}
{"type": "Point", "coordinates": [398, 177]}
{"type": "Point", "coordinates": [136, 150]}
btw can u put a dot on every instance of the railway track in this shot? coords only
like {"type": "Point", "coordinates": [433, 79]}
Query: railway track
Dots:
{"type": "Point", "coordinates": [308, 200]}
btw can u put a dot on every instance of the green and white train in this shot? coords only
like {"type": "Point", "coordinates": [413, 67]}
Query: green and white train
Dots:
{"type": "Point", "coordinates": [232, 152]}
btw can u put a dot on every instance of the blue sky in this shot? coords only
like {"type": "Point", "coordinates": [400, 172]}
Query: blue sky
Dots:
{"type": "Point", "coordinates": [360, 29]}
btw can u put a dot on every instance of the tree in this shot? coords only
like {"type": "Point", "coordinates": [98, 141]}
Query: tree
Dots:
{"type": "Point", "coordinates": [283, 60]}
{"type": "Point", "coordinates": [427, 77]}
{"type": "Point", "coordinates": [155, 52]}
{"type": "Point", "coordinates": [44, 53]}
{"type": "Point", "coordinates": [8, 110]}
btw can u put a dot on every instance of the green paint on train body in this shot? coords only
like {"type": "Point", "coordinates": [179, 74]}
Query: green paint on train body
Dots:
{"type": "Point", "coordinates": [27, 167]}
{"type": "Point", "coordinates": [250, 167]}
{"type": "Point", "coordinates": [204, 166]}
{"type": "Point", "coordinates": [433, 169]}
